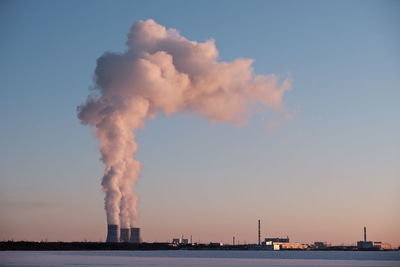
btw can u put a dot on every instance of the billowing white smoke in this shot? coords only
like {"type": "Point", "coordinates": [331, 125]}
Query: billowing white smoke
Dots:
{"type": "Point", "coordinates": [161, 71]}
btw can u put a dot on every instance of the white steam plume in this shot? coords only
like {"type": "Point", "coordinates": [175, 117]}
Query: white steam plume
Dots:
{"type": "Point", "coordinates": [161, 71]}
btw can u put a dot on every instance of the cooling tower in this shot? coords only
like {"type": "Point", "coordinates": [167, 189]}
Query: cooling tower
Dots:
{"type": "Point", "coordinates": [112, 233]}
{"type": "Point", "coordinates": [125, 235]}
{"type": "Point", "coordinates": [135, 235]}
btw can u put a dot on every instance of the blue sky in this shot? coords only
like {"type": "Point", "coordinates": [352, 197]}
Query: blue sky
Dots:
{"type": "Point", "coordinates": [324, 174]}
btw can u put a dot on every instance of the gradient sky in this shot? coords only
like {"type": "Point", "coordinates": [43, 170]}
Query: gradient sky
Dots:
{"type": "Point", "coordinates": [322, 175]}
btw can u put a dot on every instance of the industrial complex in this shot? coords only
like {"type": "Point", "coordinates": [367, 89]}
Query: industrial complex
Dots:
{"type": "Point", "coordinates": [132, 236]}
{"type": "Point", "coordinates": [372, 245]}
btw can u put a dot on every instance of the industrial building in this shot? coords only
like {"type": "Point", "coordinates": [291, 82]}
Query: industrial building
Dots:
{"type": "Point", "coordinates": [180, 241]}
{"type": "Point", "coordinates": [282, 243]}
{"type": "Point", "coordinates": [372, 245]}
{"type": "Point", "coordinates": [320, 245]}
{"type": "Point", "coordinates": [290, 245]}
{"type": "Point", "coordinates": [277, 243]}
{"type": "Point", "coordinates": [277, 239]}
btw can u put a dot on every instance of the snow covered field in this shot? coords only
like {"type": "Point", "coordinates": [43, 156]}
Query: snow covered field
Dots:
{"type": "Point", "coordinates": [199, 258]}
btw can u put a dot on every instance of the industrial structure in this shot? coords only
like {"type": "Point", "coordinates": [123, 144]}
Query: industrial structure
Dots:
{"type": "Point", "coordinates": [277, 243]}
{"type": "Point", "coordinates": [132, 235]}
{"type": "Point", "coordinates": [320, 245]}
{"type": "Point", "coordinates": [135, 235]}
{"type": "Point", "coordinates": [181, 241]}
{"type": "Point", "coordinates": [112, 233]}
{"type": "Point", "coordinates": [277, 239]}
{"type": "Point", "coordinates": [372, 245]}
{"type": "Point", "coordinates": [125, 235]}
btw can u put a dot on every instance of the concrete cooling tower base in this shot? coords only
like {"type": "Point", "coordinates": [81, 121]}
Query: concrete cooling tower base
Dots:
{"type": "Point", "coordinates": [135, 235]}
{"type": "Point", "coordinates": [112, 233]}
{"type": "Point", "coordinates": [125, 235]}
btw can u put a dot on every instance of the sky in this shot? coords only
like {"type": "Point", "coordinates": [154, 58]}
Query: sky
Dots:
{"type": "Point", "coordinates": [319, 170]}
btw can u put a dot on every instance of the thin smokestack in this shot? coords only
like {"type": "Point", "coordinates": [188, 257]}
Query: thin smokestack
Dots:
{"type": "Point", "coordinates": [259, 233]}
{"type": "Point", "coordinates": [125, 235]}
{"type": "Point", "coordinates": [112, 233]}
{"type": "Point", "coordinates": [163, 72]}
{"type": "Point", "coordinates": [135, 235]}
{"type": "Point", "coordinates": [365, 234]}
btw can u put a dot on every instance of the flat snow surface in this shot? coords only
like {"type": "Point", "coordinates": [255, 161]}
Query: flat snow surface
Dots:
{"type": "Point", "coordinates": [199, 258]}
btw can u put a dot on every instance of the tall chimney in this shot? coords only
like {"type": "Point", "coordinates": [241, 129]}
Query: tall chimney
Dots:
{"type": "Point", "coordinates": [125, 235]}
{"type": "Point", "coordinates": [135, 235]}
{"type": "Point", "coordinates": [112, 233]}
{"type": "Point", "coordinates": [365, 234]}
{"type": "Point", "coordinates": [259, 233]}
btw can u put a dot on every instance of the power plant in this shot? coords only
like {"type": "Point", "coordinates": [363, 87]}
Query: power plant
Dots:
{"type": "Point", "coordinates": [129, 239]}
{"type": "Point", "coordinates": [114, 235]}
{"type": "Point", "coordinates": [132, 235]}
{"type": "Point", "coordinates": [372, 245]}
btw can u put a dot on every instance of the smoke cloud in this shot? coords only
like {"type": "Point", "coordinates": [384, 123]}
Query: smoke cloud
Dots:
{"type": "Point", "coordinates": [162, 71]}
